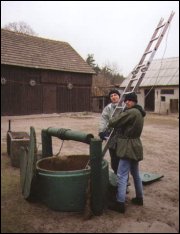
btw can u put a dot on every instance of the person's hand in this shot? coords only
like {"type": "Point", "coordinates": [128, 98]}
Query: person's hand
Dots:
{"type": "Point", "coordinates": [103, 135]}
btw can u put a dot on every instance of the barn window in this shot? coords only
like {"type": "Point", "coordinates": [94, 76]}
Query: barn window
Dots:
{"type": "Point", "coordinates": [167, 91]}
{"type": "Point", "coordinates": [163, 98]}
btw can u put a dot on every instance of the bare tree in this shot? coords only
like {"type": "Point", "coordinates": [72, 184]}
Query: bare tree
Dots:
{"type": "Point", "coordinates": [21, 27]}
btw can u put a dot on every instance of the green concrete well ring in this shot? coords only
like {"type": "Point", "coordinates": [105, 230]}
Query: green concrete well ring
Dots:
{"type": "Point", "coordinates": [62, 181]}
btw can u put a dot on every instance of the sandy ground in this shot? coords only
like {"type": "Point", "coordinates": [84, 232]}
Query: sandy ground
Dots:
{"type": "Point", "coordinates": [160, 213]}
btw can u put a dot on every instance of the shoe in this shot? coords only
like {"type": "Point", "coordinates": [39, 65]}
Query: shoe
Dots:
{"type": "Point", "coordinates": [117, 206]}
{"type": "Point", "coordinates": [137, 201]}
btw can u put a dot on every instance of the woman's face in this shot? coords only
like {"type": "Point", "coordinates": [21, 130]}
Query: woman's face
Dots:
{"type": "Point", "coordinates": [114, 98]}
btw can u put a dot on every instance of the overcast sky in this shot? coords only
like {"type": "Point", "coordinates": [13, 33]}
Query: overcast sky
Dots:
{"type": "Point", "coordinates": [115, 32]}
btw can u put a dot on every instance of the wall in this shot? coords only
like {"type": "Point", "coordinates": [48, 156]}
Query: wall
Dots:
{"type": "Point", "coordinates": [50, 91]}
{"type": "Point", "coordinates": [164, 106]}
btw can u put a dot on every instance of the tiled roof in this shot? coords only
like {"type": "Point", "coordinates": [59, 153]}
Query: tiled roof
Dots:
{"type": "Point", "coordinates": [29, 51]}
{"type": "Point", "coordinates": [161, 72]}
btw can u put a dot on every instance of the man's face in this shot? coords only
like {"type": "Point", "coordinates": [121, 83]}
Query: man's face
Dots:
{"type": "Point", "coordinates": [114, 98]}
{"type": "Point", "coordinates": [129, 104]}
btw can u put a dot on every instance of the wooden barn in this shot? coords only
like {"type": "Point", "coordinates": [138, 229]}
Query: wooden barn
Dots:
{"type": "Point", "coordinates": [159, 89]}
{"type": "Point", "coordinates": [40, 75]}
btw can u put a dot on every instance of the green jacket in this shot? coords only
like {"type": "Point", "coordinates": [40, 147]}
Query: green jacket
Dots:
{"type": "Point", "coordinates": [130, 124]}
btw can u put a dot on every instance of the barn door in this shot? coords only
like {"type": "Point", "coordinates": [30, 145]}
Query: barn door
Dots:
{"type": "Point", "coordinates": [149, 99]}
{"type": "Point", "coordinates": [174, 105]}
{"type": "Point", "coordinates": [49, 99]}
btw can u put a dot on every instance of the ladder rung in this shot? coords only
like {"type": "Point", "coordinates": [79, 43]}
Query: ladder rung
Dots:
{"type": "Point", "coordinates": [141, 66]}
{"type": "Point", "coordinates": [160, 26]}
{"type": "Point", "coordinates": [134, 76]}
{"type": "Point", "coordinates": [134, 72]}
{"type": "Point", "coordinates": [154, 39]}
{"type": "Point", "coordinates": [148, 52]}
{"type": "Point", "coordinates": [133, 79]}
{"type": "Point", "coordinates": [128, 92]}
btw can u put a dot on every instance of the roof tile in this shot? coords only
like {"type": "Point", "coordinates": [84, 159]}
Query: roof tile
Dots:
{"type": "Point", "coordinates": [29, 51]}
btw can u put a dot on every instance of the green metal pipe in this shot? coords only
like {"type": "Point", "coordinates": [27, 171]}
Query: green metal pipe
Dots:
{"type": "Point", "coordinates": [63, 134]}
{"type": "Point", "coordinates": [96, 176]}
{"type": "Point", "coordinates": [68, 134]}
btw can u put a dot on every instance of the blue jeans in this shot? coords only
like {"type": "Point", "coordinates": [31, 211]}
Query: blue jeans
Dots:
{"type": "Point", "coordinates": [126, 166]}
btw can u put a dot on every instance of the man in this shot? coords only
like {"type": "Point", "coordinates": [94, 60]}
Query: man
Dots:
{"type": "Point", "coordinates": [104, 131]}
{"type": "Point", "coordinates": [129, 150]}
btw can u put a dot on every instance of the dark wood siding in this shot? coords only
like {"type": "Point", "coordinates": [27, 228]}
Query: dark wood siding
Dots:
{"type": "Point", "coordinates": [49, 98]}
{"type": "Point", "coordinates": [76, 99]}
{"type": "Point", "coordinates": [17, 95]}
{"type": "Point", "coordinates": [33, 100]}
{"type": "Point", "coordinates": [50, 94]}
{"type": "Point", "coordinates": [63, 78]}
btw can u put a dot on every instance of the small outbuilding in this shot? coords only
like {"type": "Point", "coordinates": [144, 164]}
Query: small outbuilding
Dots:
{"type": "Point", "coordinates": [40, 75]}
{"type": "Point", "coordinates": [159, 89]}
